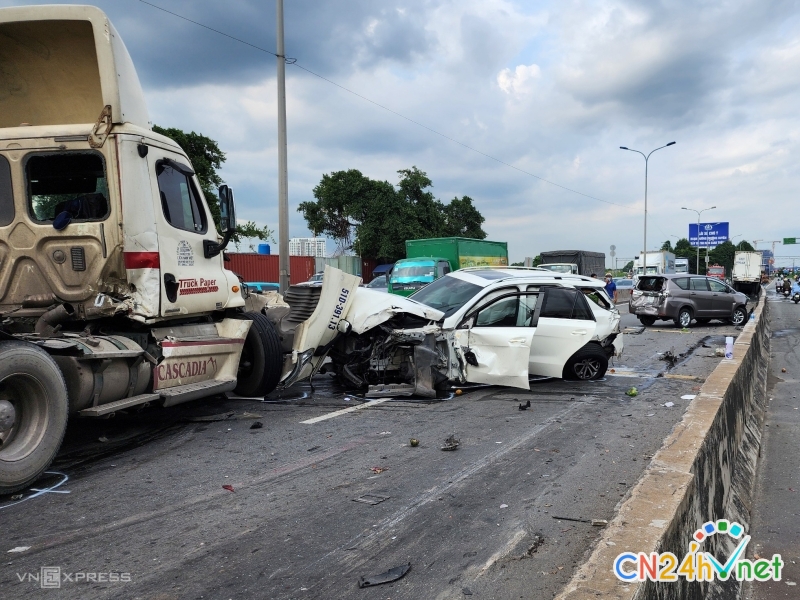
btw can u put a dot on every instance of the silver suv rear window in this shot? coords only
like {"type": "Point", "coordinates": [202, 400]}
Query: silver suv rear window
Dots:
{"type": "Point", "coordinates": [650, 284]}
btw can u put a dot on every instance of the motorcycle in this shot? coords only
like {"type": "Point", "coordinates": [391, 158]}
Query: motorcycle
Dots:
{"type": "Point", "coordinates": [787, 293]}
{"type": "Point", "coordinates": [796, 297]}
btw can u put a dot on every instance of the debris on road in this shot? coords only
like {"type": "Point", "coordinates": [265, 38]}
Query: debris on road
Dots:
{"type": "Point", "coordinates": [228, 487]}
{"type": "Point", "coordinates": [385, 577]}
{"type": "Point", "coordinates": [378, 469]}
{"type": "Point", "coordinates": [632, 392]}
{"type": "Point", "coordinates": [451, 443]}
{"type": "Point", "coordinates": [257, 425]}
{"type": "Point", "coordinates": [459, 392]}
{"type": "Point", "coordinates": [371, 499]}
{"type": "Point", "coordinates": [413, 442]}
{"type": "Point", "coordinates": [783, 370]}
{"type": "Point", "coordinates": [313, 448]}
{"type": "Point", "coordinates": [595, 522]}
{"type": "Point", "coordinates": [669, 404]}
{"type": "Point", "coordinates": [525, 406]}
{"type": "Point", "coordinates": [19, 549]}
{"type": "Point", "coordinates": [688, 396]}
{"type": "Point", "coordinates": [504, 506]}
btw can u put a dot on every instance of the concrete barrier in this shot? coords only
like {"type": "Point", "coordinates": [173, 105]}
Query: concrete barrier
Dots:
{"type": "Point", "coordinates": [703, 472]}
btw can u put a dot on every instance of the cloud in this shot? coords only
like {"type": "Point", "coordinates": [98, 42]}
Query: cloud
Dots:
{"type": "Point", "coordinates": [516, 81]}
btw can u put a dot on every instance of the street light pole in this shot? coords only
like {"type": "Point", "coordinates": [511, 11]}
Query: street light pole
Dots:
{"type": "Point", "coordinates": [699, 212]}
{"type": "Point", "coordinates": [283, 175]}
{"type": "Point", "coordinates": [646, 159]}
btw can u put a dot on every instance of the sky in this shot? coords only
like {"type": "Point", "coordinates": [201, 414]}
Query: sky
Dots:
{"type": "Point", "coordinates": [552, 88]}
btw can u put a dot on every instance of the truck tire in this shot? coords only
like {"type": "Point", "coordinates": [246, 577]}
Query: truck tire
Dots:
{"type": "Point", "coordinates": [590, 362]}
{"type": "Point", "coordinates": [35, 408]}
{"type": "Point", "coordinates": [262, 361]}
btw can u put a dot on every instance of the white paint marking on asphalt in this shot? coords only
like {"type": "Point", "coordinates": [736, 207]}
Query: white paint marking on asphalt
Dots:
{"type": "Point", "coordinates": [503, 552]}
{"type": "Point", "coordinates": [343, 411]}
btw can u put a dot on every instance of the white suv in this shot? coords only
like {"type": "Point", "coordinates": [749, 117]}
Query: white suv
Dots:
{"type": "Point", "coordinates": [480, 325]}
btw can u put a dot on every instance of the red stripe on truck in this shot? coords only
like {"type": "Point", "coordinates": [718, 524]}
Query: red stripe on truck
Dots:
{"type": "Point", "coordinates": [142, 260]}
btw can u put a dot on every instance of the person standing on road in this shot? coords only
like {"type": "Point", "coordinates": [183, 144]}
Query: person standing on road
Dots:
{"type": "Point", "coordinates": [611, 288]}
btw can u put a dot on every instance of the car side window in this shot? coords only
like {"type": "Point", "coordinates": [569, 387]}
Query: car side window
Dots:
{"type": "Point", "coordinates": [682, 282]}
{"type": "Point", "coordinates": [558, 303]}
{"type": "Point", "coordinates": [179, 198]}
{"type": "Point", "coordinates": [511, 311]}
{"type": "Point", "coordinates": [6, 193]}
{"type": "Point", "coordinates": [582, 310]}
{"type": "Point", "coordinates": [718, 286]}
{"type": "Point", "coordinates": [699, 284]}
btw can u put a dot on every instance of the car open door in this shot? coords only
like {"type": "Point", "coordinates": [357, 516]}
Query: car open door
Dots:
{"type": "Point", "coordinates": [498, 341]}
{"type": "Point", "coordinates": [564, 324]}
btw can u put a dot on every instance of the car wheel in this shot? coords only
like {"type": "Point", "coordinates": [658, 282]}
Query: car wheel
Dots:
{"type": "Point", "coordinates": [647, 321]}
{"type": "Point", "coordinates": [590, 362]}
{"type": "Point", "coordinates": [703, 321]}
{"type": "Point", "coordinates": [262, 361]}
{"type": "Point", "coordinates": [684, 318]}
{"type": "Point", "coordinates": [33, 413]}
{"type": "Point", "coordinates": [739, 316]}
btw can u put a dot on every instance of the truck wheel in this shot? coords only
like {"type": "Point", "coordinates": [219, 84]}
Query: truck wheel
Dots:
{"type": "Point", "coordinates": [739, 316]}
{"type": "Point", "coordinates": [33, 413]}
{"type": "Point", "coordinates": [647, 321]}
{"type": "Point", "coordinates": [262, 361]}
{"type": "Point", "coordinates": [590, 362]}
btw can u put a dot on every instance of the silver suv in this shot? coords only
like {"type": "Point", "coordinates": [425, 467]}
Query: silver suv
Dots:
{"type": "Point", "coordinates": [683, 298]}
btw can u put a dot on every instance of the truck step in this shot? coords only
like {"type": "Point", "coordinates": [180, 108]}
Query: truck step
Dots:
{"type": "Point", "coordinates": [105, 409]}
{"type": "Point", "coordinates": [193, 391]}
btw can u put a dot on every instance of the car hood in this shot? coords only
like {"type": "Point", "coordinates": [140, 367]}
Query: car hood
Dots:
{"type": "Point", "coordinates": [369, 308]}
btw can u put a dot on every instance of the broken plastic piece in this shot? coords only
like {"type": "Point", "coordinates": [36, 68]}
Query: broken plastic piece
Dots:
{"type": "Point", "coordinates": [451, 443]}
{"type": "Point", "coordinates": [371, 499]}
{"type": "Point", "coordinates": [227, 487]}
{"type": "Point", "coordinates": [525, 406]}
{"type": "Point", "coordinates": [385, 577]}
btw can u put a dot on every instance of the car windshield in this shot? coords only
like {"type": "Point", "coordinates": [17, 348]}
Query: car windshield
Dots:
{"type": "Point", "coordinates": [447, 294]}
{"type": "Point", "coordinates": [377, 282]}
{"type": "Point", "coordinates": [650, 284]}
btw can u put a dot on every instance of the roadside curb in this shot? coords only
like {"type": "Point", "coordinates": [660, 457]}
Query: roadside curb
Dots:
{"type": "Point", "coordinates": [704, 471]}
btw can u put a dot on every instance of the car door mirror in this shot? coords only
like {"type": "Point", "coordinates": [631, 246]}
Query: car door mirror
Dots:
{"type": "Point", "coordinates": [227, 210]}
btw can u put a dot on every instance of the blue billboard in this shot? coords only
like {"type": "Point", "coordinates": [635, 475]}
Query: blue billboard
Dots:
{"type": "Point", "coordinates": [711, 234]}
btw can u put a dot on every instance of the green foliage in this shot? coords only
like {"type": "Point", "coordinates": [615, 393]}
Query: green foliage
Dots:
{"type": "Point", "coordinates": [374, 219]}
{"type": "Point", "coordinates": [628, 267]}
{"type": "Point", "coordinates": [723, 255]}
{"type": "Point", "coordinates": [666, 246]}
{"type": "Point", "coordinates": [206, 157]}
{"type": "Point", "coordinates": [745, 246]}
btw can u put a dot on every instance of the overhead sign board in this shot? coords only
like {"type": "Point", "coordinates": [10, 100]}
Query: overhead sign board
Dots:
{"type": "Point", "coordinates": [710, 235]}
{"type": "Point", "coordinates": [787, 241]}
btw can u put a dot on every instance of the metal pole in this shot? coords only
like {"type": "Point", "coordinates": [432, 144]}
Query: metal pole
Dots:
{"type": "Point", "coordinates": [698, 243]}
{"type": "Point", "coordinates": [283, 176]}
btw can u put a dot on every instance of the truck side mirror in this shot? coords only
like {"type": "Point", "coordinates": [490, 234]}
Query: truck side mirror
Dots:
{"type": "Point", "coordinates": [227, 210]}
{"type": "Point", "coordinates": [227, 223]}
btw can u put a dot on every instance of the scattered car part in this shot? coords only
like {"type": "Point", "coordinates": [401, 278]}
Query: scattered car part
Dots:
{"type": "Point", "coordinates": [385, 577]}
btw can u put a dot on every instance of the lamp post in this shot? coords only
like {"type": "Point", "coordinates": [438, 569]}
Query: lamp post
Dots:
{"type": "Point", "coordinates": [699, 212]}
{"type": "Point", "coordinates": [646, 159]}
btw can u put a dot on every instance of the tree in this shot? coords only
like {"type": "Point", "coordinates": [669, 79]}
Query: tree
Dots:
{"type": "Point", "coordinates": [374, 219]}
{"type": "Point", "coordinates": [206, 157]}
{"type": "Point", "coordinates": [723, 255]}
{"type": "Point", "coordinates": [745, 246]}
{"type": "Point", "coordinates": [666, 246]}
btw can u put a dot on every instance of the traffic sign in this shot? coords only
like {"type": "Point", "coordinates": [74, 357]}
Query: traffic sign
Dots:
{"type": "Point", "coordinates": [789, 241]}
{"type": "Point", "coordinates": [710, 235]}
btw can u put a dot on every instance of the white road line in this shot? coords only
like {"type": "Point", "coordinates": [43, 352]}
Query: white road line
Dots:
{"type": "Point", "coordinates": [343, 411]}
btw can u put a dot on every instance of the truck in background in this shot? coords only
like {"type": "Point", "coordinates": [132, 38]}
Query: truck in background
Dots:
{"type": "Point", "coordinates": [429, 259]}
{"type": "Point", "coordinates": [575, 262]}
{"type": "Point", "coordinates": [747, 268]}
{"type": "Point", "coordinates": [659, 262]}
{"type": "Point", "coordinates": [717, 271]}
{"type": "Point", "coordinates": [682, 265]}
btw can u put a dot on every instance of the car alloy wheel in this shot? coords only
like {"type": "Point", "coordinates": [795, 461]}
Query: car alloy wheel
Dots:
{"type": "Point", "coordinates": [739, 315]}
{"type": "Point", "coordinates": [586, 368]}
{"type": "Point", "coordinates": [685, 318]}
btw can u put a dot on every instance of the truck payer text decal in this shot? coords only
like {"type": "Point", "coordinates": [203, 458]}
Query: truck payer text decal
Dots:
{"type": "Point", "coordinates": [197, 286]}
{"type": "Point", "coordinates": [338, 309]}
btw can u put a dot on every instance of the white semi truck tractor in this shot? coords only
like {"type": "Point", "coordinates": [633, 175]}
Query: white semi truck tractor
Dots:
{"type": "Point", "coordinates": [113, 288]}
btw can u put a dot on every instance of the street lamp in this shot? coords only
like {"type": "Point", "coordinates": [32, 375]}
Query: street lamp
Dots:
{"type": "Point", "coordinates": [699, 212]}
{"type": "Point", "coordinates": [646, 158]}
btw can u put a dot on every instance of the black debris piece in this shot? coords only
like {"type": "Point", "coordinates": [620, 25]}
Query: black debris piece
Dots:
{"type": "Point", "coordinates": [451, 443]}
{"type": "Point", "coordinates": [525, 406]}
{"type": "Point", "coordinates": [257, 425]}
{"type": "Point", "coordinates": [385, 577]}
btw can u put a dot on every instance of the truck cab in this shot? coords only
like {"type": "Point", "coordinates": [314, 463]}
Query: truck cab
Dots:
{"type": "Point", "coordinates": [412, 274]}
{"type": "Point", "coordinates": [113, 288]}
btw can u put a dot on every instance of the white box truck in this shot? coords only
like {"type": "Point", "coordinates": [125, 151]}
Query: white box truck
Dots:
{"type": "Point", "coordinates": [658, 263]}
{"type": "Point", "coordinates": [747, 272]}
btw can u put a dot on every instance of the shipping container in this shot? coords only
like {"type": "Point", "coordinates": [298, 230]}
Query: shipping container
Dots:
{"type": "Point", "coordinates": [265, 267]}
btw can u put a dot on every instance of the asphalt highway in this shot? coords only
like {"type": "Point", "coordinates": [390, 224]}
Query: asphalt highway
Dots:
{"type": "Point", "coordinates": [312, 507]}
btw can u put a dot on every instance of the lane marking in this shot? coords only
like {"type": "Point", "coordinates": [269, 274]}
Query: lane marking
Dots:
{"type": "Point", "coordinates": [343, 411]}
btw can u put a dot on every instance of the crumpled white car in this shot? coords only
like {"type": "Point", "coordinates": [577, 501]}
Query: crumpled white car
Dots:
{"type": "Point", "coordinates": [479, 325]}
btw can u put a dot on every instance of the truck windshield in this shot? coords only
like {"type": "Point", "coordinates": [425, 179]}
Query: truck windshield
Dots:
{"type": "Point", "coordinates": [74, 182]}
{"type": "Point", "coordinates": [558, 268]}
{"type": "Point", "coordinates": [447, 294]}
{"type": "Point", "coordinates": [413, 272]}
